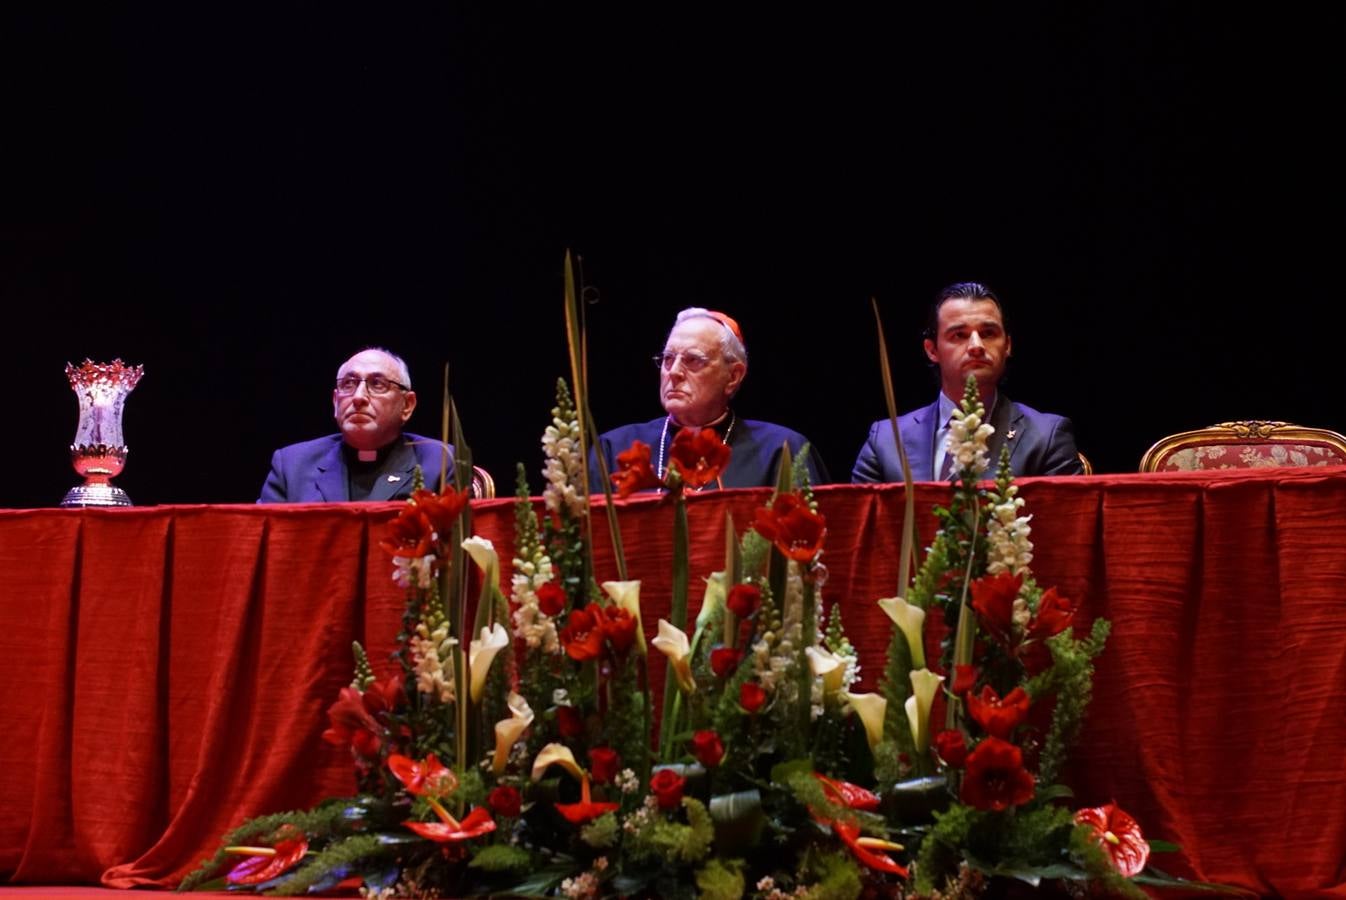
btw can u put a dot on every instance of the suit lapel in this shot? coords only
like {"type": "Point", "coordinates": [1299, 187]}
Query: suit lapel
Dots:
{"type": "Point", "coordinates": [397, 472]}
{"type": "Point", "coordinates": [920, 443]}
{"type": "Point", "coordinates": [1005, 419]}
{"type": "Point", "coordinates": [330, 481]}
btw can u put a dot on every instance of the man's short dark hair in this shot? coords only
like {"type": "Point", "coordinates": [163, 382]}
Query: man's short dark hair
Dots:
{"type": "Point", "coordinates": [963, 290]}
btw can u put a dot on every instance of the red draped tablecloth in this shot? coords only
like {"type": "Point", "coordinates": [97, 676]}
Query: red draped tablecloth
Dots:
{"type": "Point", "coordinates": [166, 671]}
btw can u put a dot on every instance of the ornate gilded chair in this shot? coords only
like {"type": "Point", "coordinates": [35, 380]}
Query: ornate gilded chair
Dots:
{"type": "Point", "coordinates": [483, 485]}
{"type": "Point", "coordinates": [1248, 444]}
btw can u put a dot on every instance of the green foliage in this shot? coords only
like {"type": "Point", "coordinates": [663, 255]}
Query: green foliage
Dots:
{"type": "Point", "coordinates": [720, 879]}
{"type": "Point", "coordinates": [343, 853]}
{"type": "Point", "coordinates": [1072, 679]}
{"type": "Point", "coordinates": [837, 876]}
{"type": "Point", "coordinates": [941, 849]}
{"type": "Point", "coordinates": [364, 674]}
{"type": "Point", "coordinates": [502, 858]}
{"type": "Point", "coordinates": [659, 839]}
{"type": "Point", "coordinates": [602, 832]}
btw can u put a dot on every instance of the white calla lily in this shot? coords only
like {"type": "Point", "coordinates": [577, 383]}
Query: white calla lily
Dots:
{"type": "Point", "coordinates": [827, 666]}
{"type": "Point", "coordinates": [712, 600]}
{"type": "Point", "coordinates": [910, 619]}
{"type": "Point", "coordinates": [481, 653]}
{"type": "Point", "coordinates": [673, 643]}
{"type": "Point", "coordinates": [626, 594]}
{"type": "Point", "coordinates": [924, 685]}
{"type": "Point", "coordinates": [483, 554]}
{"type": "Point", "coordinates": [871, 708]}
{"type": "Point", "coordinates": [508, 731]}
{"type": "Point", "coordinates": [556, 755]}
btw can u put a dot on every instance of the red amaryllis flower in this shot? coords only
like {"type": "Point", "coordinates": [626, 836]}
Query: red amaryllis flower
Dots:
{"type": "Point", "coordinates": [751, 696]}
{"type": "Point", "coordinates": [619, 627]}
{"type": "Point", "coordinates": [1053, 616]}
{"type": "Point", "coordinates": [667, 785]}
{"type": "Point", "coordinates": [951, 746]}
{"type": "Point", "coordinates": [865, 849]}
{"type": "Point", "coordinates": [795, 529]}
{"type": "Point", "coordinates": [603, 764]}
{"type": "Point", "coordinates": [996, 778]}
{"type": "Point", "coordinates": [408, 534]}
{"type": "Point", "coordinates": [964, 679]}
{"type": "Point", "coordinates": [700, 456]}
{"type": "Point", "coordinates": [1119, 835]}
{"type": "Point", "coordinates": [569, 722]}
{"type": "Point", "coordinates": [505, 800]}
{"type": "Point", "coordinates": [744, 599]}
{"type": "Point", "coordinates": [265, 863]}
{"type": "Point", "coordinates": [724, 660]}
{"type": "Point", "coordinates": [634, 472]}
{"type": "Point", "coordinates": [707, 748]}
{"type": "Point", "coordinates": [583, 635]}
{"type": "Point", "coordinates": [442, 509]}
{"type": "Point", "coordinates": [993, 599]}
{"type": "Point", "coordinates": [353, 725]}
{"type": "Point", "coordinates": [851, 796]}
{"type": "Point", "coordinates": [476, 822]}
{"type": "Point", "coordinates": [997, 716]}
{"type": "Point", "coordinates": [425, 778]}
{"type": "Point", "coordinates": [551, 598]}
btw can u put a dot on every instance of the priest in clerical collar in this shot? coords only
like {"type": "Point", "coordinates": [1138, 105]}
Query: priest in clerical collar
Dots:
{"type": "Point", "coordinates": [701, 368]}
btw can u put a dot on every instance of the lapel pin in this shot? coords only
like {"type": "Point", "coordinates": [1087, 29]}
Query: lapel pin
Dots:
{"type": "Point", "coordinates": [1009, 435]}
{"type": "Point", "coordinates": [392, 478]}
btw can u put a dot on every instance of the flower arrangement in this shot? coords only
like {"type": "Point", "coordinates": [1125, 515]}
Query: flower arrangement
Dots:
{"type": "Point", "coordinates": [524, 755]}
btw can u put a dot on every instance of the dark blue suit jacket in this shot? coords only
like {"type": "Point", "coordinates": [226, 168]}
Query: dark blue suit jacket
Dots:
{"type": "Point", "coordinates": [755, 449]}
{"type": "Point", "coordinates": [315, 471]}
{"type": "Point", "coordinates": [1040, 444]}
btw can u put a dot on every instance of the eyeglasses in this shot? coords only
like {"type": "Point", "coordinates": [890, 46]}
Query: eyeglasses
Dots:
{"type": "Point", "coordinates": [692, 361]}
{"type": "Point", "coordinates": [376, 385]}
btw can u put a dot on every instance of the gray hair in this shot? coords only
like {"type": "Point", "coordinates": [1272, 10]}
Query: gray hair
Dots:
{"type": "Point", "coordinates": [730, 346]}
{"type": "Point", "coordinates": [400, 364]}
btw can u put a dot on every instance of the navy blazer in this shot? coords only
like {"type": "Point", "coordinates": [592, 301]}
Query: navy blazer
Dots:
{"type": "Point", "coordinates": [1040, 444]}
{"type": "Point", "coordinates": [315, 471]}
{"type": "Point", "coordinates": [755, 450]}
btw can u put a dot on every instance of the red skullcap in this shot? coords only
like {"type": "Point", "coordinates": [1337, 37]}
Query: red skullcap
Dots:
{"type": "Point", "coordinates": [727, 322]}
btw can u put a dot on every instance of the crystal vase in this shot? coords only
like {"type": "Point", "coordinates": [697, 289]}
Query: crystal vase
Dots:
{"type": "Point", "coordinates": [98, 452]}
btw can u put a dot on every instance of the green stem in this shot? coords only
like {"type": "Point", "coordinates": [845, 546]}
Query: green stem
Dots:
{"type": "Point", "coordinates": [677, 617]}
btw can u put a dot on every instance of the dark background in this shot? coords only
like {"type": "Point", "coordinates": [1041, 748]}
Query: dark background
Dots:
{"type": "Point", "coordinates": [238, 200]}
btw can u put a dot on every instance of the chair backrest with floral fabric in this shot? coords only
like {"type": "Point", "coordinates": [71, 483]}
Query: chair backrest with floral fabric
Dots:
{"type": "Point", "coordinates": [1247, 444]}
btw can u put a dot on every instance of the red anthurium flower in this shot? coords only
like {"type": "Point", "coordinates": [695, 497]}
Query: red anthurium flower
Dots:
{"type": "Point", "coordinates": [583, 635]}
{"type": "Point", "coordinates": [993, 599]}
{"type": "Point", "coordinates": [408, 534]}
{"type": "Point", "coordinates": [476, 822]}
{"type": "Point", "coordinates": [795, 529]}
{"type": "Point", "coordinates": [865, 849]}
{"type": "Point", "coordinates": [265, 863]}
{"type": "Point", "coordinates": [667, 786]}
{"type": "Point", "coordinates": [603, 764]}
{"type": "Point", "coordinates": [634, 472]}
{"type": "Point", "coordinates": [724, 660]}
{"type": "Point", "coordinates": [700, 456]}
{"type": "Point", "coordinates": [995, 777]}
{"type": "Point", "coordinates": [586, 809]}
{"type": "Point", "coordinates": [851, 796]}
{"type": "Point", "coordinates": [744, 599]}
{"type": "Point", "coordinates": [1054, 616]}
{"type": "Point", "coordinates": [569, 722]}
{"type": "Point", "coordinates": [619, 627]}
{"type": "Point", "coordinates": [425, 778]}
{"type": "Point", "coordinates": [964, 679]}
{"type": "Point", "coordinates": [551, 598]}
{"type": "Point", "coordinates": [505, 800]}
{"type": "Point", "coordinates": [441, 510]}
{"type": "Point", "coordinates": [352, 725]}
{"type": "Point", "coordinates": [751, 696]}
{"type": "Point", "coordinates": [951, 746]}
{"type": "Point", "coordinates": [707, 748]}
{"type": "Point", "coordinates": [1119, 835]}
{"type": "Point", "coordinates": [998, 717]}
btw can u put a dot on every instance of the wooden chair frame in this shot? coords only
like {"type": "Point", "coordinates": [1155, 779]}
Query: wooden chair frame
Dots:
{"type": "Point", "coordinates": [1255, 431]}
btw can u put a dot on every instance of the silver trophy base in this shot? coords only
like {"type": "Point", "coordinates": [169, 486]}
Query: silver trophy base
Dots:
{"type": "Point", "coordinates": [96, 495]}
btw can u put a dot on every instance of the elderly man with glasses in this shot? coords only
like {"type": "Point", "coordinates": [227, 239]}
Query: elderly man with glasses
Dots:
{"type": "Point", "coordinates": [701, 368]}
{"type": "Point", "coordinates": [372, 458]}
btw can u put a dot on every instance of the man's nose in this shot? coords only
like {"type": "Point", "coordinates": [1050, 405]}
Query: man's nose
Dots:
{"type": "Point", "coordinates": [974, 343]}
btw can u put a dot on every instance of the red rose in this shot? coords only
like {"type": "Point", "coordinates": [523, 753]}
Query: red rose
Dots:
{"type": "Point", "coordinates": [951, 746]}
{"type": "Point", "coordinates": [505, 801]}
{"type": "Point", "coordinates": [995, 777]}
{"type": "Point", "coordinates": [551, 598]}
{"type": "Point", "coordinates": [751, 696]}
{"type": "Point", "coordinates": [569, 722]}
{"type": "Point", "coordinates": [744, 599]}
{"type": "Point", "coordinates": [667, 785]}
{"type": "Point", "coordinates": [724, 660]}
{"type": "Point", "coordinates": [707, 748]}
{"type": "Point", "coordinates": [603, 764]}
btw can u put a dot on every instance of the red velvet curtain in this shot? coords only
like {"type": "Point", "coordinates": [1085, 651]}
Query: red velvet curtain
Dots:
{"type": "Point", "coordinates": [167, 670]}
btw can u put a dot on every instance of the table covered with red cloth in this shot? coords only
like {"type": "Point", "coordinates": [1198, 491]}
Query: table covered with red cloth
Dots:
{"type": "Point", "coordinates": [166, 671]}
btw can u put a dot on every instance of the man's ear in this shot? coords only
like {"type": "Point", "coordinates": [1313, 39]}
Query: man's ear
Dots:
{"type": "Point", "coordinates": [930, 353]}
{"type": "Point", "coordinates": [1009, 347]}
{"type": "Point", "coordinates": [408, 405]}
{"type": "Point", "coordinates": [737, 372]}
